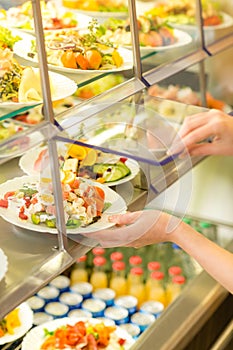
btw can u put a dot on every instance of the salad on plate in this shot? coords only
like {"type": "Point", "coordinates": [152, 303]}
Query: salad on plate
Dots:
{"type": "Point", "coordinates": [7, 38]}
{"type": "Point", "coordinates": [74, 333]}
{"type": "Point", "coordinates": [183, 12]}
{"type": "Point", "coordinates": [185, 94]}
{"type": "Point", "coordinates": [103, 167]}
{"type": "Point", "coordinates": [21, 85]}
{"type": "Point", "coordinates": [152, 31]}
{"type": "Point", "coordinates": [53, 17]}
{"type": "Point", "coordinates": [10, 76]}
{"type": "Point", "coordinates": [97, 5]}
{"type": "Point", "coordinates": [83, 203]}
{"type": "Point", "coordinates": [9, 323]}
{"type": "Point", "coordinates": [15, 324]}
{"type": "Point", "coordinates": [85, 162]}
{"type": "Point", "coordinates": [29, 202]}
{"type": "Point", "coordinates": [75, 51]}
{"type": "Point", "coordinates": [9, 128]}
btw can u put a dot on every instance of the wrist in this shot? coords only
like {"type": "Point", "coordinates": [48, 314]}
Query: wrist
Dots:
{"type": "Point", "coordinates": [178, 232]}
{"type": "Point", "coordinates": [170, 228]}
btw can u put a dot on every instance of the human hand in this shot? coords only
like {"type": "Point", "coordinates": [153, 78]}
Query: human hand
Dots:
{"type": "Point", "coordinates": [206, 133]}
{"type": "Point", "coordinates": [137, 229]}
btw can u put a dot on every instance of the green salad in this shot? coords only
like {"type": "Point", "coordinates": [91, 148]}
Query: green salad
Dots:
{"type": "Point", "coordinates": [7, 39]}
{"type": "Point", "coordinates": [10, 76]}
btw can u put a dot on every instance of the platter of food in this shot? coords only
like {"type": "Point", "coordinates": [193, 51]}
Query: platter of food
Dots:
{"type": "Point", "coordinates": [17, 144]}
{"type": "Point", "coordinates": [8, 38]}
{"type": "Point", "coordinates": [14, 325]}
{"type": "Point", "coordinates": [153, 35]}
{"type": "Point", "coordinates": [181, 39]}
{"type": "Point", "coordinates": [102, 15]}
{"type": "Point", "coordinates": [3, 264]}
{"type": "Point", "coordinates": [53, 17]}
{"type": "Point", "coordinates": [30, 92]}
{"type": "Point", "coordinates": [182, 14]}
{"type": "Point", "coordinates": [185, 95]}
{"type": "Point", "coordinates": [9, 128]}
{"type": "Point", "coordinates": [71, 52]}
{"type": "Point", "coordinates": [108, 169]}
{"type": "Point", "coordinates": [226, 21]}
{"type": "Point", "coordinates": [89, 332]}
{"type": "Point", "coordinates": [21, 86]}
{"type": "Point", "coordinates": [28, 202]}
{"type": "Point", "coordinates": [97, 8]}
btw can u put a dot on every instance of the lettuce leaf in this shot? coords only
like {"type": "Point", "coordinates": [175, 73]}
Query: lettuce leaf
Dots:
{"type": "Point", "coordinates": [7, 39]}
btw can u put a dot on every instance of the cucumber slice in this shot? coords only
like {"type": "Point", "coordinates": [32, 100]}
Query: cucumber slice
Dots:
{"type": "Point", "coordinates": [111, 172]}
{"type": "Point", "coordinates": [101, 168]}
{"type": "Point", "coordinates": [114, 175]}
{"type": "Point", "coordinates": [123, 168]}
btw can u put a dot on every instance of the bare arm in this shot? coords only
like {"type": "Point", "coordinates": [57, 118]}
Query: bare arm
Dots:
{"type": "Point", "coordinates": [151, 226]}
{"type": "Point", "coordinates": [217, 261]}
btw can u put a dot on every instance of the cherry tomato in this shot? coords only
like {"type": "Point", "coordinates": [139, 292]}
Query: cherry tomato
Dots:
{"type": "Point", "coordinates": [3, 203]}
{"type": "Point", "coordinates": [23, 216]}
{"type": "Point", "coordinates": [123, 159]}
{"type": "Point", "coordinates": [9, 194]}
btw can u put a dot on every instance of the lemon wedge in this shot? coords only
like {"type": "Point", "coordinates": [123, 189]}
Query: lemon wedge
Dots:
{"type": "Point", "coordinates": [69, 177]}
{"type": "Point", "coordinates": [77, 151]}
{"type": "Point", "coordinates": [90, 158]}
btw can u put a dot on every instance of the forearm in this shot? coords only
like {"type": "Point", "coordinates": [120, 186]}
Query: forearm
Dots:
{"type": "Point", "coordinates": [217, 261]}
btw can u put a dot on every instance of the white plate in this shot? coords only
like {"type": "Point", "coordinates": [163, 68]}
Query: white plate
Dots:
{"type": "Point", "coordinates": [83, 21]}
{"type": "Point", "coordinates": [17, 147]}
{"type": "Point", "coordinates": [62, 88]}
{"type": "Point", "coordinates": [118, 206]}
{"type": "Point", "coordinates": [27, 161]}
{"type": "Point", "coordinates": [22, 47]}
{"type": "Point", "coordinates": [26, 319]}
{"type": "Point", "coordinates": [35, 338]}
{"type": "Point", "coordinates": [182, 38]}
{"type": "Point", "coordinates": [227, 22]}
{"type": "Point", "coordinates": [3, 265]}
{"type": "Point", "coordinates": [104, 15]}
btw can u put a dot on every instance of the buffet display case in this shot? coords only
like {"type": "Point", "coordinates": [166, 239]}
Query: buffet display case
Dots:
{"type": "Point", "coordinates": [127, 122]}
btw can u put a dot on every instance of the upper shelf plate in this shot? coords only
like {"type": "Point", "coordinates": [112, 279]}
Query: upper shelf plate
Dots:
{"type": "Point", "coordinates": [226, 23]}
{"type": "Point", "coordinates": [62, 87]}
{"type": "Point", "coordinates": [23, 48]}
{"type": "Point", "coordinates": [103, 15]}
{"type": "Point", "coordinates": [182, 39]}
{"type": "Point", "coordinates": [55, 18]}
